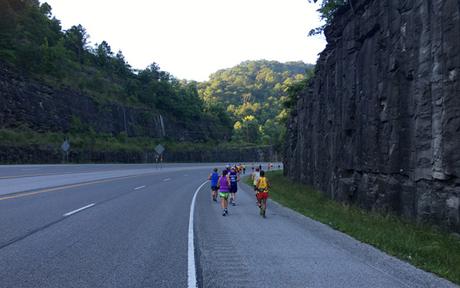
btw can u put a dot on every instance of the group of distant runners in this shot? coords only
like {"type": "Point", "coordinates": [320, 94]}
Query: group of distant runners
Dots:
{"type": "Point", "coordinates": [225, 186]}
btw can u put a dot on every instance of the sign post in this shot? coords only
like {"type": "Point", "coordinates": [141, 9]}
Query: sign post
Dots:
{"type": "Point", "coordinates": [159, 149]}
{"type": "Point", "coordinates": [65, 147]}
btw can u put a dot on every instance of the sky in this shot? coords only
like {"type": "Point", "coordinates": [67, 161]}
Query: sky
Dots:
{"type": "Point", "coordinates": [193, 38]}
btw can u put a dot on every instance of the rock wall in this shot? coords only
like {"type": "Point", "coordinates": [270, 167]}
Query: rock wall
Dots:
{"type": "Point", "coordinates": [25, 102]}
{"type": "Point", "coordinates": [379, 124]}
{"type": "Point", "coordinates": [28, 104]}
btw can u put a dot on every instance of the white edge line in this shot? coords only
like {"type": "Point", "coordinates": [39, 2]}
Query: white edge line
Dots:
{"type": "Point", "coordinates": [140, 187]}
{"type": "Point", "coordinates": [191, 244]}
{"type": "Point", "coordinates": [167, 179]}
{"type": "Point", "coordinates": [79, 209]}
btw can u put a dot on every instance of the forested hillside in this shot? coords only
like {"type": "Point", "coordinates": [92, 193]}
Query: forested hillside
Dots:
{"type": "Point", "coordinates": [255, 94]}
{"type": "Point", "coordinates": [55, 85]}
{"type": "Point", "coordinates": [33, 42]}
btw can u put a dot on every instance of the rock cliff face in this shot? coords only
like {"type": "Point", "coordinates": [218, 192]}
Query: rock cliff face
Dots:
{"type": "Point", "coordinates": [379, 124]}
{"type": "Point", "coordinates": [28, 103]}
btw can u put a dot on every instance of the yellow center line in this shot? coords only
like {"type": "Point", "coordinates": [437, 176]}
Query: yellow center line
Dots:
{"type": "Point", "coordinates": [24, 194]}
{"type": "Point", "coordinates": [30, 175]}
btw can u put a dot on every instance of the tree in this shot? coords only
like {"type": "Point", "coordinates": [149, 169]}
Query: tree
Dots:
{"type": "Point", "coordinates": [76, 40]}
{"type": "Point", "coordinates": [104, 54]}
{"type": "Point", "coordinates": [122, 67]}
{"type": "Point", "coordinates": [45, 9]}
{"type": "Point", "coordinates": [327, 10]}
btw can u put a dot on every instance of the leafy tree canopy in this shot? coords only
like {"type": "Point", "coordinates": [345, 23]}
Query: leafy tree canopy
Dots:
{"type": "Point", "coordinates": [254, 93]}
{"type": "Point", "coordinates": [327, 10]}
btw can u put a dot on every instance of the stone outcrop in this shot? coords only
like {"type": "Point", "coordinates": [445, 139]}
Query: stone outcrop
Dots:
{"type": "Point", "coordinates": [28, 103]}
{"type": "Point", "coordinates": [379, 124]}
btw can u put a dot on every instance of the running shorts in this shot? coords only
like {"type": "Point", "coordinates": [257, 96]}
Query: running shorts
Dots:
{"type": "Point", "coordinates": [233, 188]}
{"type": "Point", "coordinates": [223, 195]}
{"type": "Point", "coordinates": [214, 188]}
{"type": "Point", "coordinates": [262, 195]}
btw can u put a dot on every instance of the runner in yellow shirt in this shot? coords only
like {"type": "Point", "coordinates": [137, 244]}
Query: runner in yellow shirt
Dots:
{"type": "Point", "coordinates": [262, 187]}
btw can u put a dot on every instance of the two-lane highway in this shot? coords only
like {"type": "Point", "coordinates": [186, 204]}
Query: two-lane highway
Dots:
{"type": "Point", "coordinates": [114, 232]}
{"type": "Point", "coordinates": [128, 226]}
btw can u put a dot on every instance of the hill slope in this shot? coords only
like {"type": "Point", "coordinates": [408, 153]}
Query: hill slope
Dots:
{"type": "Point", "coordinates": [87, 86]}
{"type": "Point", "coordinates": [253, 92]}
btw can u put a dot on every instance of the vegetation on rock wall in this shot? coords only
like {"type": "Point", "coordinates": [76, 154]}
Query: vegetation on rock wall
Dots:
{"type": "Point", "coordinates": [327, 10]}
{"type": "Point", "coordinates": [246, 104]}
{"type": "Point", "coordinates": [32, 40]}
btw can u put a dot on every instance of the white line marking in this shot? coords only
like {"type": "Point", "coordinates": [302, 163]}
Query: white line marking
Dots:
{"type": "Point", "coordinates": [167, 179]}
{"type": "Point", "coordinates": [79, 209]}
{"type": "Point", "coordinates": [140, 187]}
{"type": "Point", "coordinates": [191, 244]}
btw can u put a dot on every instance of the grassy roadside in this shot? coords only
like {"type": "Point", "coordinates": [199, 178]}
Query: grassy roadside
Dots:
{"type": "Point", "coordinates": [422, 246]}
{"type": "Point", "coordinates": [107, 142]}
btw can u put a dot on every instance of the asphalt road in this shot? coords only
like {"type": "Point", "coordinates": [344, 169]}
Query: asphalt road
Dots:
{"type": "Point", "coordinates": [127, 226]}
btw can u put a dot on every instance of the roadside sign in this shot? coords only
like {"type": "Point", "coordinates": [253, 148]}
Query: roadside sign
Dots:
{"type": "Point", "coordinates": [65, 146]}
{"type": "Point", "coordinates": [159, 149]}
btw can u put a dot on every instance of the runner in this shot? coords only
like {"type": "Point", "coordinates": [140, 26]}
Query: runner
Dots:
{"type": "Point", "coordinates": [214, 177]}
{"type": "Point", "coordinates": [234, 179]}
{"type": "Point", "coordinates": [238, 168]}
{"type": "Point", "coordinates": [255, 177]}
{"type": "Point", "coordinates": [224, 188]}
{"type": "Point", "coordinates": [262, 193]}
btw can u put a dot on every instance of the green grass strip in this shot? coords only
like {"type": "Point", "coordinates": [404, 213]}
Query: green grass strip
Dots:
{"type": "Point", "coordinates": [421, 245]}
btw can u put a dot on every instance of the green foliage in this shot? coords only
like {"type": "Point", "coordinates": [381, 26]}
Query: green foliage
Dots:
{"type": "Point", "coordinates": [327, 11]}
{"type": "Point", "coordinates": [293, 91]}
{"type": "Point", "coordinates": [90, 141]}
{"type": "Point", "coordinates": [32, 40]}
{"type": "Point", "coordinates": [253, 94]}
{"type": "Point", "coordinates": [423, 246]}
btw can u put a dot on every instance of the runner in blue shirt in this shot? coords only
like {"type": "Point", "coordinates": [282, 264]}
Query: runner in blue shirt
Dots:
{"type": "Point", "coordinates": [214, 177]}
{"type": "Point", "coordinates": [234, 178]}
